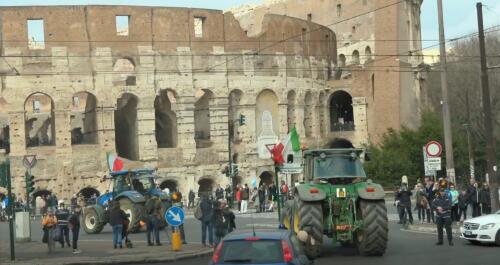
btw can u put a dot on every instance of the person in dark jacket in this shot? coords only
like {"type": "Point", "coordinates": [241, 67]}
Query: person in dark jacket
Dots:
{"type": "Point", "coordinates": [153, 210]}
{"type": "Point", "coordinates": [74, 226]}
{"type": "Point", "coordinates": [229, 196]}
{"type": "Point", "coordinates": [463, 201]}
{"type": "Point", "coordinates": [403, 199]}
{"type": "Point", "coordinates": [191, 197]}
{"type": "Point", "coordinates": [223, 218]}
{"type": "Point", "coordinates": [485, 199]}
{"type": "Point", "coordinates": [473, 195]}
{"type": "Point", "coordinates": [219, 193]}
{"type": "Point", "coordinates": [62, 215]}
{"type": "Point", "coordinates": [442, 205]}
{"type": "Point", "coordinates": [245, 196]}
{"type": "Point", "coordinates": [262, 198]}
{"type": "Point", "coordinates": [206, 206]}
{"type": "Point", "coordinates": [430, 194]}
{"type": "Point", "coordinates": [116, 218]}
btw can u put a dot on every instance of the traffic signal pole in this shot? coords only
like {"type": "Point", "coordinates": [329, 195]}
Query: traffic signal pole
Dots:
{"type": "Point", "coordinates": [10, 212]}
{"type": "Point", "coordinates": [488, 124]}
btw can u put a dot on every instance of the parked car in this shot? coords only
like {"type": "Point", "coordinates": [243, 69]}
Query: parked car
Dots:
{"type": "Point", "coordinates": [260, 247]}
{"type": "Point", "coordinates": [482, 229]}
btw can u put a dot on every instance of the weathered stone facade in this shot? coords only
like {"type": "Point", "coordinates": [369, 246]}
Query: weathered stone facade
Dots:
{"type": "Point", "coordinates": [160, 92]}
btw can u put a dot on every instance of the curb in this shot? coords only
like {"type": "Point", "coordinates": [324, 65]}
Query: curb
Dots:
{"type": "Point", "coordinates": [176, 257]}
{"type": "Point", "coordinates": [432, 230]}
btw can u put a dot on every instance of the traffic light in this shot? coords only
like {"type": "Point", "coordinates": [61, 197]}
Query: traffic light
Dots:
{"type": "Point", "coordinates": [234, 171]}
{"type": "Point", "coordinates": [242, 119]}
{"type": "Point", "coordinates": [30, 183]}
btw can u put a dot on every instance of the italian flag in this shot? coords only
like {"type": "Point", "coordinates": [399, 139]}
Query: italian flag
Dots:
{"type": "Point", "coordinates": [292, 139]}
{"type": "Point", "coordinates": [114, 162]}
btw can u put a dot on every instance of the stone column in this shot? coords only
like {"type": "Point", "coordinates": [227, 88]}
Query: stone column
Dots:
{"type": "Point", "coordinates": [146, 141]}
{"type": "Point", "coordinates": [283, 120]}
{"type": "Point", "coordinates": [185, 128]}
{"type": "Point", "coordinates": [219, 126]}
{"type": "Point", "coordinates": [360, 122]}
{"type": "Point", "coordinates": [17, 133]}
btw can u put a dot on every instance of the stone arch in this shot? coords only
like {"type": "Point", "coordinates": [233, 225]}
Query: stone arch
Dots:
{"type": "Point", "coordinates": [234, 111]}
{"type": "Point", "coordinates": [342, 60]}
{"type": "Point", "coordinates": [4, 126]}
{"type": "Point", "coordinates": [308, 114]}
{"type": "Point", "coordinates": [341, 111]}
{"type": "Point", "coordinates": [355, 57]}
{"type": "Point", "coordinates": [266, 178]}
{"type": "Point", "coordinates": [83, 118]}
{"type": "Point", "coordinates": [126, 141]}
{"type": "Point", "coordinates": [124, 72]}
{"type": "Point", "coordinates": [340, 143]}
{"type": "Point", "coordinates": [39, 120]}
{"type": "Point", "coordinates": [165, 119]}
{"type": "Point", "coordinates": [202, 125]}
{"type": "Point", "coordinates": [368, 53]}
{"type": "Point", "coordinates": [170, 184]}
{"type": "Point", "coordinates": [206, 187]}
{"type": "Point", "coordinates": [266, 121]}
{"type": "Point", "coordinates": [40, 192]}
{"type": "Point", "coordinates": [88, 192]}
{"type": "Point", "coordinates": [290, 109]}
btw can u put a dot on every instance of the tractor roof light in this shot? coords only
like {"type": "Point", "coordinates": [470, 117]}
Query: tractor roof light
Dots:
{"type": "Point", "coordinates": [322, 156]}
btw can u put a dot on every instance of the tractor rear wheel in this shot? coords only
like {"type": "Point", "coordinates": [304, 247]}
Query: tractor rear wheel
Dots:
{"type": "Point", "coordinates": [134, 212]}
{"type": "Point", "coordinates": [91, 222]}
{"type": "Point", "coordinates": [371, 239]}
{"type": "Point", "coordinates": [308, 217]}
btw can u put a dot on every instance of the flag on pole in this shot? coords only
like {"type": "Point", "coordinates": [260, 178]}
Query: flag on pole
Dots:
{"type": "Point", "coordinates": [114, 163]}
{"type": "Point", "coordinates": [294, 138]}
{"type": "Point", "coordinates": [291, 140]}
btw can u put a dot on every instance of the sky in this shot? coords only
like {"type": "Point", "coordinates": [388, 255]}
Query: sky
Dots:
{"type": "Point", "coordinates": [460, 15]}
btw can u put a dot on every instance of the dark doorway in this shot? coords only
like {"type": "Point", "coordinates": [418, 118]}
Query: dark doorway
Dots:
{"type": "Point", "coordinates": [266, 178]}
{"type": "Point", "coordinates": [88, 192]}
{"type": "Point", "coordinates": [206, 187]}
{"type": "Point", "coordinates": [165, 120]}
{"type": "Point", "coordinates": [340, 143]}
{"type": "Point", "coordinates": [341, 112]}
{"type": "Point", "coordinates": [170, 184]}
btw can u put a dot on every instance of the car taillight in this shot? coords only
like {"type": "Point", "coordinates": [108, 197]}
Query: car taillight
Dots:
{"type": "Point", "coordinates": [216, 256]}
{"type": "Point", "coordinates": [287, 252]}
{"type": "Point", "coordinates": [370, 189]}
{"type": "Point", "coordinates": [314, 190]}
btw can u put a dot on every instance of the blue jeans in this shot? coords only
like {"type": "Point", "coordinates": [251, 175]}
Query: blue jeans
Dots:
{"type": "Point", "coordinates": [204, 226]}
{"type": "Point", "coordinates": [117, 235]}
{"type": "Point", "coordinates": [153, 228]}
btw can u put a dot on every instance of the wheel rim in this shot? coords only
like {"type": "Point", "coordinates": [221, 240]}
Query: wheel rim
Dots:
{"type": "Point", "coordinates": [90, 221]}
{"type": "Point", "coordinates": [129, 213]}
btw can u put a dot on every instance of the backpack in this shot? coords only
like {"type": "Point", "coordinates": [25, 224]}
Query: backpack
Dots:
{"type": "Point", "coordinates": [198, 213]}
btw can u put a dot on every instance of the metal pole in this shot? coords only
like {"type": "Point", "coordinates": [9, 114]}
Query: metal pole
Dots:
{"type": "Point", "coordinates": [10, 213]}
{"type": "Point", "coordinates": [448, 138]}
{"type": "Point", "coordinates": [488, 125]}
{"type": "Point", "coordinates": [278, 191]}
{"type": "Point", "coordinates": [469, 139]}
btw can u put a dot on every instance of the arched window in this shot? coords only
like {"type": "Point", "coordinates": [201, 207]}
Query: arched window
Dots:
{"type": "Point", "coordinates": [341, 112]}
{"type": "Point", "coordinates": [342, 60]}
{"type": "Point", "coordinates": [126, 127]}
{"type": "Point", "coordinates": [124, 72]}
{"type": "Point", "coordinates": [355, 57]}
{"type": "Point", "coordinates": [266, 121]}
{"type": "Point", "coordinates": [83, 118]}
{"type": "Point", "coordinates": [202, 118]}
{"type": "Point", "coordinates": [165, 120]}
{"type": "Point", "coordinates": [39, 120]}
{"type": "Point", "coordinates": [368, 53]}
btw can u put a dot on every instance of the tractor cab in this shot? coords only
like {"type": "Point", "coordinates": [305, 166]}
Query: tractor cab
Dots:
{"type": "Point", "coordinates": [142, 181]}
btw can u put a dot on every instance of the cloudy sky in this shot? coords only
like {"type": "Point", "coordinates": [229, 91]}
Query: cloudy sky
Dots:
{"type": "Point", "coordinates": [460, 15]}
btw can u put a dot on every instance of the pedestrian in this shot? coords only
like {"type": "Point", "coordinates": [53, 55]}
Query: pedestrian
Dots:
{"type": "Point", "coordinates": [219, 193]}
{"type": "Point", "coordinates": [238, 197]}
{"type": "Point", "coordinates": [245, 196]}
{"type": "Point", "coordinates": [222, 220]}
{"type": "Point", "coordinates": [430, 195]}
{"type": "Point", "coordinates": [463, 201]}
{"type": "Point", "coordinates": [284, 192]}
{"type": "Point", "coordinates": [74, 202]}
{"type": "Point", "coordinates": [229, 196]}
{"type": "Point", "coordinates": [403, 202]}
{"type": "Point", "coordinates": [206, 206]}
{"type": "Point", "coordinates": [44, 205]}
{"type": "Point", "coordinates": [74, 226]}
{"type": "Point", "coordinates": [191, 197]}
{"type": "Point", "coordinates": [62, 215]}
{"type": "Point", "coordinates": [485, 199]}
{"type": "Point", "coordinates": [453, 194]}
{"type": "Point", "coordinates": [473, 194]}
{"type": "Point", "coordinates": [442, 206]}
{"type": "Point", "coordinates": [116, 218]}
{"type": "Point", "coordinates": [272, 196]}
{"type": "Point", "coordinates": [262, 198]}
{"type": "Point", "coordinates": [421, 203]}
{"type": "Point", "coordinates": [53, 201]}
{"type": "Point", "coordinates": [153, 211]}
{"type": "Point", "coordinates": [49, 225]}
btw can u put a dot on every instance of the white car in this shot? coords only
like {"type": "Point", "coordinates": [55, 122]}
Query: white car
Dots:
{"type": "Point", "coordinates": [485, 229]}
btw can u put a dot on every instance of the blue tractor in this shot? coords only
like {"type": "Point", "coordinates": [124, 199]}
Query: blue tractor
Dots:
{"type": "Point", "coordinates": [131, 188]}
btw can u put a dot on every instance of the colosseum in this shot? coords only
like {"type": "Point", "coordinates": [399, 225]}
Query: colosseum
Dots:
{"type": "Point", "coordinates": [166, 87]}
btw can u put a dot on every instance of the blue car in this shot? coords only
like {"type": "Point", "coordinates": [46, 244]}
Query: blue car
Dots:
{"type": "Point", "coordinates": [260, 247]}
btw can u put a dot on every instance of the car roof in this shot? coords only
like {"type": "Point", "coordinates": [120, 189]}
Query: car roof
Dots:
{"type": "Point", "coordinates": [270, 234]}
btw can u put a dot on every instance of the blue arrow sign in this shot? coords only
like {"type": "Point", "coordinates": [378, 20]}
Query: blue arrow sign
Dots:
{"type": "Point", "coordinates": [174, 216]}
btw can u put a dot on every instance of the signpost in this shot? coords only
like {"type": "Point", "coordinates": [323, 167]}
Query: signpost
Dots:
{"type": "Point", "coordinates": [175, 217]}
{"type": "Point", "coordinates": [432, 158]}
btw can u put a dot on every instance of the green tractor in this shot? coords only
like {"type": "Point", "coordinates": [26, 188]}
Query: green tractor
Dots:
{"type": "Point", "coordinates": [337, 200]}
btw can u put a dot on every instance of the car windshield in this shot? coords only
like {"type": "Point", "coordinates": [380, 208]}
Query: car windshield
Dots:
{"type": "Point", "coordinates": [254, 252]}
{"type": "Point", "coordinates": [338, 167]}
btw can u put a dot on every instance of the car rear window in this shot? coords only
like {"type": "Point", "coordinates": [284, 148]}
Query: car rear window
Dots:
{"type": "Point", "coordinates": [255, 252]}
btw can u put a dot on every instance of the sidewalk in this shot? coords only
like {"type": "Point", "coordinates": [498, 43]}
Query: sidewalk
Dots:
{"type": "Point", "coordinates": [432, 228]}
{"type": "Point", "coordinates": [99, 252]}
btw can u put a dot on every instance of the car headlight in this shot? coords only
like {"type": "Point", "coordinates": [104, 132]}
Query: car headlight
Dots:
{"type": "Point", "coordinates": [487, 226]}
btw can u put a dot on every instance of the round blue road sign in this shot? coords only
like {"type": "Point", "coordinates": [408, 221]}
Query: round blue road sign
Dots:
{"type": "Point", "coordinates": [174, 216]}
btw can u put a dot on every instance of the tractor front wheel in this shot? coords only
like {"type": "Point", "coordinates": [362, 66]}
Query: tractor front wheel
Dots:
{"type": "Point", "coordinates": [134, 212]}
{"type": "Point", "coordinates": [371, 239]}
{"type": "Point", "coordinates": [308, 217]}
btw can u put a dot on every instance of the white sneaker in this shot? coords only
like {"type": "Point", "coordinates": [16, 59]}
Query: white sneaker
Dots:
{"type": "Point", "coordinates": [77, 251]}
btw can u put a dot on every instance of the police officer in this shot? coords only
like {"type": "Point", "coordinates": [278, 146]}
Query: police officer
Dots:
{"type": "Point", "coordinates": [442, 206]}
